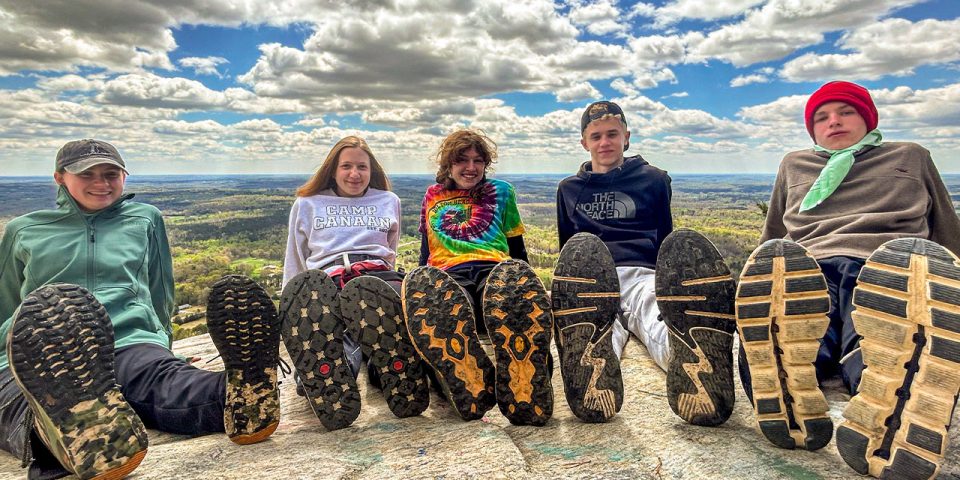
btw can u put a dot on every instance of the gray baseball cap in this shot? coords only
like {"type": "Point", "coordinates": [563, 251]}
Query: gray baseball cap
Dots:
{"type": "Point", "coordinates": [79, 155]}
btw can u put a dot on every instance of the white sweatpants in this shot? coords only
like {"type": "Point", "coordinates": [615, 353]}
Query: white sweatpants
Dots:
{"type": "Point", "coordinates": [639, 314]}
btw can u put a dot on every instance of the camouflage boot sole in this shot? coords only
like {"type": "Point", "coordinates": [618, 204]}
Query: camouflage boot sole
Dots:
{"type": "Point", "coordinates": [61, 356]}
{"type": "Point", "coordinates": [907, 308]}
{"type": "Point", "coordinates": [586, 300]}
{"type": "Point", "coordinates": [517, 312]}
{"type": "Point", "coordinates": [313, 331]}
{"type": "Point", "coordinates": [374, 316]}
{"type": "Point", "coordinates": [782, 306]}
{"type": "Point", "coordinates": [441, 324]}
{"type": "Point", "coordinates": [244, 327]}
{"type": "Point", "coordinates": [695, 293]}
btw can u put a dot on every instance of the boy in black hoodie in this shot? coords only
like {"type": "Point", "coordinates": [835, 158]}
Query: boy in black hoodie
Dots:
{"type": "Point", "coordinates": [626, 203]}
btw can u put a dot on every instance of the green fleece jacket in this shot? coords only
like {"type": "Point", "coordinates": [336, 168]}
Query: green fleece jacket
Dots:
{"type": "Point", "coordinates": [120, 254]}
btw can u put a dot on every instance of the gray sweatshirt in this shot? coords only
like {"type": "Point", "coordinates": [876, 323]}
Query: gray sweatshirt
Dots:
{"type": "Point", "coordinates": [324, 226]}
{"type": "Point", "coordinates": [892, 191]}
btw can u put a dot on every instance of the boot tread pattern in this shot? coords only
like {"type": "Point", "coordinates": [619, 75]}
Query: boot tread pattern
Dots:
{"type": "Point", "coordinates": [907, 310]}
{"type": "Point", "coordinates": [780, 330]}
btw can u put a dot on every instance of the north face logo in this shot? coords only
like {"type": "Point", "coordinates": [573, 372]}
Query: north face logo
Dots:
{"type": "Point", "coordinates": [609, 205]}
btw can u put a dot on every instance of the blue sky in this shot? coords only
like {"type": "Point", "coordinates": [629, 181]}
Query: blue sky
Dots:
{"type": "Point", "coordinates": [231, 86]}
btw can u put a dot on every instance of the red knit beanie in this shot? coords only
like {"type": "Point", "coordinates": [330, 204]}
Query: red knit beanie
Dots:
{"type": "Point", "coordinates": [846, 92]}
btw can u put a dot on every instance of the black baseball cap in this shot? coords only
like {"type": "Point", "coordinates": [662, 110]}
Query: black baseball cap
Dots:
{"type": "Point", "coordinates": [79, 155]}
{"type": "Point", "coordinates": [598, 110]}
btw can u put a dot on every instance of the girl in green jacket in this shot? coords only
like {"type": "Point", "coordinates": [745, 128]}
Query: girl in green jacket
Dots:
{"type": "Point", "coordinates": [86, 296]}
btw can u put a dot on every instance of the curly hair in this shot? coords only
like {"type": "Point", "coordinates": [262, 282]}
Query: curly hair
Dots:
{"type": "Point", "coordinates": [454, 145]}
{"type": "Point", "coordinates": [324, 177]}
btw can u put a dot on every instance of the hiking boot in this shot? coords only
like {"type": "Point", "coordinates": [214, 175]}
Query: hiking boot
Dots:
{"type": "Point", "coordinates": [61, 355]}
{"type": "Point", "coordinates": [244, 327]}
{"type": "Point", "coordinates": [517, 312]}
{"type": "Point", "coordinates": [586, 300]}
{"type": "Point", "coordinates": [695, 293]}
{"type": "Point", "coordinates": [374, 316]}
{"type": "Point", "coordinates": [313, 333]}
{"type": "Point", "coordinates": [441, 324]}
{"type": "Point", "coordinates": [907, 308]}
{"type": "Point", "coordinates": [782, 305]}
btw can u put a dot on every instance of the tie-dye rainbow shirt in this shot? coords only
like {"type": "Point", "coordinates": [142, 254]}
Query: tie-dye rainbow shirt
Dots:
{"type": "Point", "coordinates": [462, 228]}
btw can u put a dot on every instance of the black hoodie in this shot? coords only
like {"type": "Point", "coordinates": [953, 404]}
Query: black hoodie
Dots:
{"type": "Point", "coordinates": [627, 207]}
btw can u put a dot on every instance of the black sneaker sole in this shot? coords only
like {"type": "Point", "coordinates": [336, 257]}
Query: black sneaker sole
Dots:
{"type": "Point", "coordinates": [782, 306]}
{"type": "Point", "coordinates": [907, 308]}
{"type": "Point", "coordinates": [586, 300]}
{"type": "Point", "coordinates": [374, 316]}
{"type": "Point", "coordinates": [61, 356]}
{"type": "Point", "coordinates": [441, 324]}
{"type": "Point", "coordinates": [517, 312]}
{"type": "Point", "coordinates": [312, 330]}
{"type": "Point", "coordinates": [244, 327]}
{"type": "Point", "coordinates": [695, 293]}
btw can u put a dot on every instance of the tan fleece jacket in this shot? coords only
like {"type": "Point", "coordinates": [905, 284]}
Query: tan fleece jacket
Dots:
{"type": "Point", "coordinates": [892, 191]}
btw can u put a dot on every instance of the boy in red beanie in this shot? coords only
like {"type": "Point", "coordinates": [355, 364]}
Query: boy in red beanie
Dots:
{"type": "Point", "coordinates": [856, 274]}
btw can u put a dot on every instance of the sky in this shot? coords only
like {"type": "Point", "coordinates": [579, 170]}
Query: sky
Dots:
{"type": "Point", "coordinates": [244, 86]}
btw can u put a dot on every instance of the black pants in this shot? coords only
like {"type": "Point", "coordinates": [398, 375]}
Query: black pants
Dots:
{"type": "Point", "coordinates": [840, 345]}
{"type": "Point", "coordinates": [472, 277]}
{"type": "Point", "coordinates": [168, 395]}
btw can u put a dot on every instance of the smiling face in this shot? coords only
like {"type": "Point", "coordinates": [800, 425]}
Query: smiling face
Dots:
{"type": "Point", "coordinates": [837, 125]}
{"type": "Point", "coordinates": [353, 172]}
{"type": "Point", "coordinates": [95, 188]}
{"type": "Point", "coordinates": [605, 139]}
{"type": "Point", "coordinates": [467, 169]}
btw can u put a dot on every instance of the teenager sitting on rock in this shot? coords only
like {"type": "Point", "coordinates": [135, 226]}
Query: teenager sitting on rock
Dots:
{"type": "Point", "coordinates": [86, 295]}
{"type": "Point", "coordinates": [474, 276]}
{"type": "Point", "coordinates": [343, 235]}
{"type": "Point", "coordinates": [618, 262]}
{"type": "Point", "coordinates": [857, 274]}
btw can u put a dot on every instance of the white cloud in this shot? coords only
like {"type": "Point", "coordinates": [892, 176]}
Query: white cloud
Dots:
{"type": "Point", "coordinates": [577, 92]}
{"type": "Point", "coordinates": [678, 10]}
{"type": "Point", "coordinates": [599, 18]}
{"type": "Point", "coordinates": [743, 80]}
{"type": "Point", "coordinates": [781, 27]}
{"type": "Point", "coordinates": [892, 47]}
{"type": "Point", "coordinates": [204, 65]}
{"type": "Point", "coordinates": [677, 95]}
{"type": "Point", "coordinates": [69, 83]}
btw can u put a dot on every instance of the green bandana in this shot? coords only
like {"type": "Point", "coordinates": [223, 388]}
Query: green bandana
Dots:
{"type": "Point", "coordinates": [836, 169]}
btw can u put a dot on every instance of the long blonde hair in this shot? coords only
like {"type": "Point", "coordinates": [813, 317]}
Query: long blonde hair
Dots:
{"type": "Point", "coordinates": [454, 145]}
{"type": "Point", "coordinates": [324, 177]}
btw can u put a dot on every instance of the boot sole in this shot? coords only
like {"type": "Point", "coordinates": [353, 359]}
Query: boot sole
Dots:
{"type": "Point", "coordinates": [907, 308]}
{"type": "Point", "coordinates": [384, 340]}
{"type": "Point", "coordinates": [244, 327]}
{"type": "Point", "coordinates": [517, 312]}
{"type": "Point", "coordinates": [312, 331]}
{"type": "Point", "coordinates": [586, 299]}
{"type": "Point", "coordinates": [782, 306]}
{"type": "Point", "coordinates": [695, 293]}
{"type": "Point", "coordinates": [441, 324]}
{"type": "Point", "coordinates": [62, 357]}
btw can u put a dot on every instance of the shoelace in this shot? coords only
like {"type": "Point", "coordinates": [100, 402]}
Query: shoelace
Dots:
{"type": "Point", "coordinates": [285, 368]}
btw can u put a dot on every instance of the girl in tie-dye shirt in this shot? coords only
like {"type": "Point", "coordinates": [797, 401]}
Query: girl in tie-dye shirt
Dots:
{"type": "Point", "coordinates": [468, 222]}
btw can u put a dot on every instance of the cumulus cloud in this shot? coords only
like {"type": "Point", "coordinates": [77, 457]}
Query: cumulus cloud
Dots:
{"type": "Point", "coordinates": [678, 10]}
{"type": "Point", "coordinates": [781, 27]}
{"type": "Point", "coordinates": [892, 47]}
{"type": "Point", "coordinates": [744, 80]}
{"type": "Point", "coordinates": [204, 65]}
{"type": "Point", "coordinates": [599, 18]}
{"type": "Point", "coordinates": [580, 91]}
